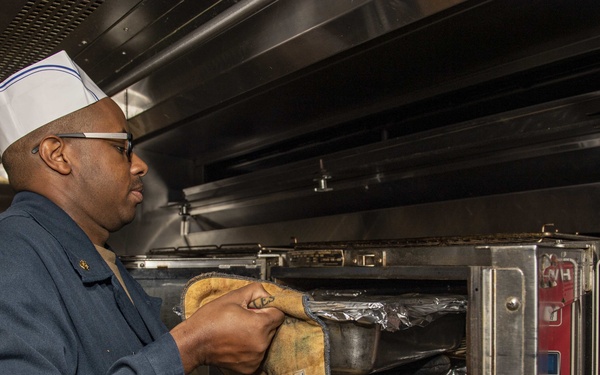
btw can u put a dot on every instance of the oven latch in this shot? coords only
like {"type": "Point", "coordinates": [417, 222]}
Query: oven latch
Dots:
{"type": "Point", "coordinates": [368, 258]}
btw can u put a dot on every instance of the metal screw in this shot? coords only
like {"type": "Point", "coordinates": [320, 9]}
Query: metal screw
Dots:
{"type": "Point", "coordinates": [513, 303]}
{"type": "Point", "coordinates": [321, 180]}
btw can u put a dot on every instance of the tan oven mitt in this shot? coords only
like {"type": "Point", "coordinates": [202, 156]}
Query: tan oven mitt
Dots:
{"type": "Point", "coordinates": [300, 345]}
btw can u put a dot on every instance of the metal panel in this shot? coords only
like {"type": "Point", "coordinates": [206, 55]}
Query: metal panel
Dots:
{"type": "Point", "coordinates": [438, 53]}
{"type": "Point", "coordinates": [279, 40]}
{"type": "Point", "coordinates": [507, 337]}
{"type": "Point", "coordinates": [557, 141]}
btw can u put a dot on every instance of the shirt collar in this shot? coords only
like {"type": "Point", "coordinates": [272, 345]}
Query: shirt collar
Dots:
{"type": "Point", "coordinates": [79, 249]}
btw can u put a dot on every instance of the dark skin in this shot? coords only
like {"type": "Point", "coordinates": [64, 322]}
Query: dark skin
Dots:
{"type": "Point", "coordinates": [93, 181]}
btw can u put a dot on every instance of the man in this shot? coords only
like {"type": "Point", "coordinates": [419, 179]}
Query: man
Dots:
{"type": "Point", "coordinates": [67, 306]}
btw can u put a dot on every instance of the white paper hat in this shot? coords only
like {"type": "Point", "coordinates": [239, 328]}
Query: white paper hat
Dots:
{"type": "Point", "coordinates": [41, 93]}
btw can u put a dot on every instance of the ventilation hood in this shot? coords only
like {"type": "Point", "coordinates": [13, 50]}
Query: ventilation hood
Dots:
{"type": "Point", "coordinates": [262, 110]}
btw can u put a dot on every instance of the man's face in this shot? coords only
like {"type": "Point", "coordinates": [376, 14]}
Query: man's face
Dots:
{"type": "Point", "coordinates": [108, 185]}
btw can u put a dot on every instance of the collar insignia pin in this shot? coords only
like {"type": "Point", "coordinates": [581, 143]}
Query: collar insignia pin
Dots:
{"type": "Point", "coordinates": [83, 264]}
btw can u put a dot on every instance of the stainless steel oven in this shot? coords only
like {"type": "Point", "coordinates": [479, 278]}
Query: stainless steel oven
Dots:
{"type": "Point", "coordinates": [532, 298]}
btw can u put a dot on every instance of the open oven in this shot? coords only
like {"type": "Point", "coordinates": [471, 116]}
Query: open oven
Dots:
{"type": "Point", "coordinates": [530, 299]}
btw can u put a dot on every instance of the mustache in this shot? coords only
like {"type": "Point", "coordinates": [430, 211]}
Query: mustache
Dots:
{"type": "Point", "coordinates": [138, 185]}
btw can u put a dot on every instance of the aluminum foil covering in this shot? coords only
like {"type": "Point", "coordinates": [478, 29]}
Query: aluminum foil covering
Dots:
{"type": "Point", "coordinates": [392, 313]}
{"type": "Point", "coordinates": [459, 370]}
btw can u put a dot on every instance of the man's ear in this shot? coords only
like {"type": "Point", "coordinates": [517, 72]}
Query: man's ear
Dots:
{"type": "Point", "coordinates": [52, 152]}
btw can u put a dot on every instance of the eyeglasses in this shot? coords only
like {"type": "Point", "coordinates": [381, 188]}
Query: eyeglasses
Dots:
{"type": "Point", "coordinates": [127, 136]}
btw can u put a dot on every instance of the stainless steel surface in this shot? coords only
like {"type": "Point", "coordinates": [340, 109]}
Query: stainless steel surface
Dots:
{"type": "Point", "coordinates": [223, 258]}
{"type": "Point", "coordinates": [225, 20]}
{"type": "Point", "coordinates": [579, 340]}
{"type": "Point", "coordinates": [503, 282]}
{"type": "Point", "coordinates": [277, 48]}
{"type": "Point", "coordinates": [353, 347]}
{"type": "Point", "coordinates": [572, 209]}
{"type": "Point", "coordinates": [499, 352]}
{"type": "Point", "coordinates": [444, 109]}
{"type": "Point", "coordinates": [246, 59]}
{"type": "Point", "coordinates": [292, 59]}
{"type": "Point", "coordinates": [472, 158]}
{"type": "Point", "coordinates": [170, 263]}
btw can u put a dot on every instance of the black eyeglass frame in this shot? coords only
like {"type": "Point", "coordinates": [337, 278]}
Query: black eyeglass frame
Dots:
{"type": "Point", "coordinates": [124, 136]}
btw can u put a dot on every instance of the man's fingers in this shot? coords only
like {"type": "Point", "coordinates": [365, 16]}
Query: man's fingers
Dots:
{"type": "Point", "coordinates": [261, 302]}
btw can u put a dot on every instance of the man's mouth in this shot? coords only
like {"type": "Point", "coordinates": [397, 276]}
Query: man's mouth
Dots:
{"type": "Point", "coordinates": [138, 195]}
{"type": "Point", "coordinates": [138, 192]}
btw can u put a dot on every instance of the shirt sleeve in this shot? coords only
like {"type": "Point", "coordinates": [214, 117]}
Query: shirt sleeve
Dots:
{"type": "Point", "coordinates": [160, 357]}
{"type": "Point", "coordinates": [20, 357]}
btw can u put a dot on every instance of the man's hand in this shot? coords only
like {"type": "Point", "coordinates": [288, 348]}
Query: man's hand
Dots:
{"type": "Point", "coordinates": [227, 334]}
